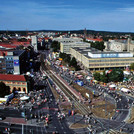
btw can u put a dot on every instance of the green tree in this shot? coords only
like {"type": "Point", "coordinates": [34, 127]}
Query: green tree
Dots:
{"type": "Point", "coordinates": [73, 62]}
{"type": "Point", "coordinates": [132, 66]}
{"type": "Point", "coordinates": [103, 77]}
{"type": "Point", "coordinates": [96, 76]}
{"type": "Point", "coordinates": [67, 58]}
{"type": "Point", "coordinates": [77, 68]}
{"type": "Point", "coordinates": [4, 90]}
{"type": "Point", "coordinates": [116, 75]}
{"type": "Point", "coordinates": [55, 45]}
{"type": "Point", "coordinates": [98, 45]}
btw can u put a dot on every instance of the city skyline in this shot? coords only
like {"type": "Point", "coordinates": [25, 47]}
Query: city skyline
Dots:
{"type": "Point", "coordinates": [115, 15]}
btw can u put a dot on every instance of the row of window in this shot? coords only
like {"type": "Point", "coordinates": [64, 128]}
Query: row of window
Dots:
{"type": "Point", "coordinates": [9, 65]}
{"type": "Point", "coordinates": [110, 60]}
{"type": "Point", "coordinates": [9, 62]}
{"type": "Point", "coordinates": [9, 58]}
{"type": "Point", "coordinates": [23, 83]}
{"type": "Point", "coordinates": [109, 64]}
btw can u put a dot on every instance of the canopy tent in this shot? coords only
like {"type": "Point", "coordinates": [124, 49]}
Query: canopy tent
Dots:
{"type": "Point", "coordinates": [126, 90]}
{"type": "Point", "coordinates": [24, 98]}
{"type": "Point", "coordinates": [112, 85]}
{"type": "Point", "coordinates": [88, 78]}
{"type": "Point", "coordinates": [21, 92]}
{"type": "Point", "coordinates": [126, 72]}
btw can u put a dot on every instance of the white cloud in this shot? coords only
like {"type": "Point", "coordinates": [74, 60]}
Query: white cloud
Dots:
{"type": "Point", "coordinates": [127, 9]}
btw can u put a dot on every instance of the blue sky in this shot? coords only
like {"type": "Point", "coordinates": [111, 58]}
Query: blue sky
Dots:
{"type": "Point", "coordinates": [104, 15]}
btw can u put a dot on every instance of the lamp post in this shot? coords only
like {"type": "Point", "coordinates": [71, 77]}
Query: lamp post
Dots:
{"type": "Point", "coordinates": [73, 111]}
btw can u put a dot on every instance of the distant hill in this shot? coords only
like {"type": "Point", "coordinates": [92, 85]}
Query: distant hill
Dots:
{"type": "Point", "coordinates": [93, 32]}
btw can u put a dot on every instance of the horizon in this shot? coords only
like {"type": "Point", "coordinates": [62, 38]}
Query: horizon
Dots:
{"type": "Point", "coordinates": [112, 16]}
{"type": "Point", "coordinates": [61, 30]}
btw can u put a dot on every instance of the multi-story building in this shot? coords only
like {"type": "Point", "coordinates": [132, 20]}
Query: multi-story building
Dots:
{"type": "Point", "coordinates": [67, 43]}
{"type": "Point", "coordinates": [35, 42]}
{"type": "Point", "coordinates": [65, 47]}
{"type": "Point", "coordinates": [68, 40]}
{"type": "Point", "coordinates": [93, 59]}
{"type": "Point", "coordinates": [15, 82]}
{"type": "Point", "coordinates": [118, 46]}
{"type": "Point", "coordinates": [16, 62]}
{"type": "Point", "coordinates": [2, 65]}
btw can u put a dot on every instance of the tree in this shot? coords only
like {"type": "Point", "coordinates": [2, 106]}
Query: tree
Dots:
{"type": "Point", "coordinates": [98, 45]}
{"type": "Point", "coordinates": [103, 77]}
{"type": "Point", "coordinates": [132, 66]}
{"type": "Point", "coordinates": [77, 68]}
{"type": "Point", "coordinates": [96, 76]}
{"type": "Point", "coordinates": [4, 90]}
{"type": "Point", "coordinates": [56, 46]}
{"type": "Point", "coordinates": [73, 62]}
{"type": "Point", "coordinates": [116, 75]}
{"type": "Point", "coordinates": [67, 58]}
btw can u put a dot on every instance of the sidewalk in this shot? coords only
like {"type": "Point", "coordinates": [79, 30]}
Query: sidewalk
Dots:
{"type": "Point", "coordinates": [15, 120]}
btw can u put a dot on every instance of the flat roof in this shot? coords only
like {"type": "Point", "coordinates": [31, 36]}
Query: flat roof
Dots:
{"type": "Point", "coordinates": [95, 51]}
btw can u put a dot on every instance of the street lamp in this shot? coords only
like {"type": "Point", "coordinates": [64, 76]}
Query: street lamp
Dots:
{"type": "Point", "coordinates": [73, 111]}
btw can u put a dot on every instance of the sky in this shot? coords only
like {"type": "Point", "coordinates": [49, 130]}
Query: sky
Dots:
{"type": "Point", "coordinates": [99, 15]}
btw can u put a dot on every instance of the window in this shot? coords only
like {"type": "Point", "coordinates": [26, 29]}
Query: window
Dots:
{"type": "Point", "coordinates": [24, 89]}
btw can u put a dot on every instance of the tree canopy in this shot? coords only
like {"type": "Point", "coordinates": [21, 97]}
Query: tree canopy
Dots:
{"type": "Point", "coordinates": [116, 75]}
{"type": "Point", "coordinates": [71, 62]}
{"type": "Point", "coordinates": [96, 76]}
{"type": "Point", "coordinates": [98, 45]}
{"type": "Point", "coordinates": [4, 90]}
{"type": "Point", "coordinates": [132, 66]}
{"type": "Point", "coordinates": [56, 46]}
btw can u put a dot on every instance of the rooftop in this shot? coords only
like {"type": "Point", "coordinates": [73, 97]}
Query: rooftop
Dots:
{"type": "Point", "coordinates": [11, 77]}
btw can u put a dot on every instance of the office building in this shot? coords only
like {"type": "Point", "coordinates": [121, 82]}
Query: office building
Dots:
{"type": "Point", "coordinates": [16, 62]}
{"type": "Point", "coordinates": [34, 42]}
{"type": "Point", "coordinates": [93, 59]}
{"type": "Point", "coordinates": [67, 43]}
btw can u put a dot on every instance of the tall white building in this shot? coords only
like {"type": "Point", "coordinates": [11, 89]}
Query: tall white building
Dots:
{"type": "Point", "coordinates": [34, 42]}
{"type": "Point", "coordinates": [67, 43]}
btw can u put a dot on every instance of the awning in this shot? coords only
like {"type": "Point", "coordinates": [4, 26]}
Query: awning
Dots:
{"type": "Point", "coordinates": [88, 78]}
{"type": "Point", "coordinates": [113, 85]}
{"type": "Point", "coordinates": [24, 98]}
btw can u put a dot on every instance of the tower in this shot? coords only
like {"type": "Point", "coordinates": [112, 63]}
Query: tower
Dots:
{"type": "Point", "coordinates": [34, 43]}
{"type": "Point", "coordinates": [85, 33]}
{"type": "Point", "coordinates": [128, 44]}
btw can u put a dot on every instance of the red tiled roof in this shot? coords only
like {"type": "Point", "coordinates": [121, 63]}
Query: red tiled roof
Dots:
{"type": "Point", "coordinates": [11, 77]}
{"type": "Point", "coordinates": [94, 39]}
{"type": "Point", "coordinates": [8, 46]}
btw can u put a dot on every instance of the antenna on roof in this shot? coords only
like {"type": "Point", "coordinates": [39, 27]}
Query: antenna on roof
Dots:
{"type": "Point", "coordinates": [85, 33]}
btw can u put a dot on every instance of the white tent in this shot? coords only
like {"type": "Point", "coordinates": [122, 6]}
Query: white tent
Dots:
{"type": "Point", "coordinates": [112, 85]}
{"type": "Point", "coordinates": [125, 90]}
{"type": "Point", "coordinates": [88, 78]}
{"type": "Point", "coordinates": [24, 98]}
{"type": "Point", "coordinates": [126, 72]}
{"type": "Point", "coordinates": [21, 92]}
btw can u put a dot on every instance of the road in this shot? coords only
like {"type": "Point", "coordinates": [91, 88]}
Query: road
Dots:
{"type": "Point", "coordinates": [117, 121]}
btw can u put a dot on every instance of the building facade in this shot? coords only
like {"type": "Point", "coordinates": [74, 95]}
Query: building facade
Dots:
{"type": "Point", "coordinates": [93, 59]}
{"type": "Point", "coordinates": [67, 43]}
{"type": "Point", "coordinates": [15, 82]}
{"type": "Point", "coordinates": [2, 65]}
{"type": "Point", "coordinates": [15, 62]}
{"type": "Point", "coordinates": [65, 47]}
{"type": "Point", "coordinates": [34, 42]}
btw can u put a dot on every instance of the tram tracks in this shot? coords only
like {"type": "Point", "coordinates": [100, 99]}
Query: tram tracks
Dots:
{"type": "Point", "coordinates": [84, 110]}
